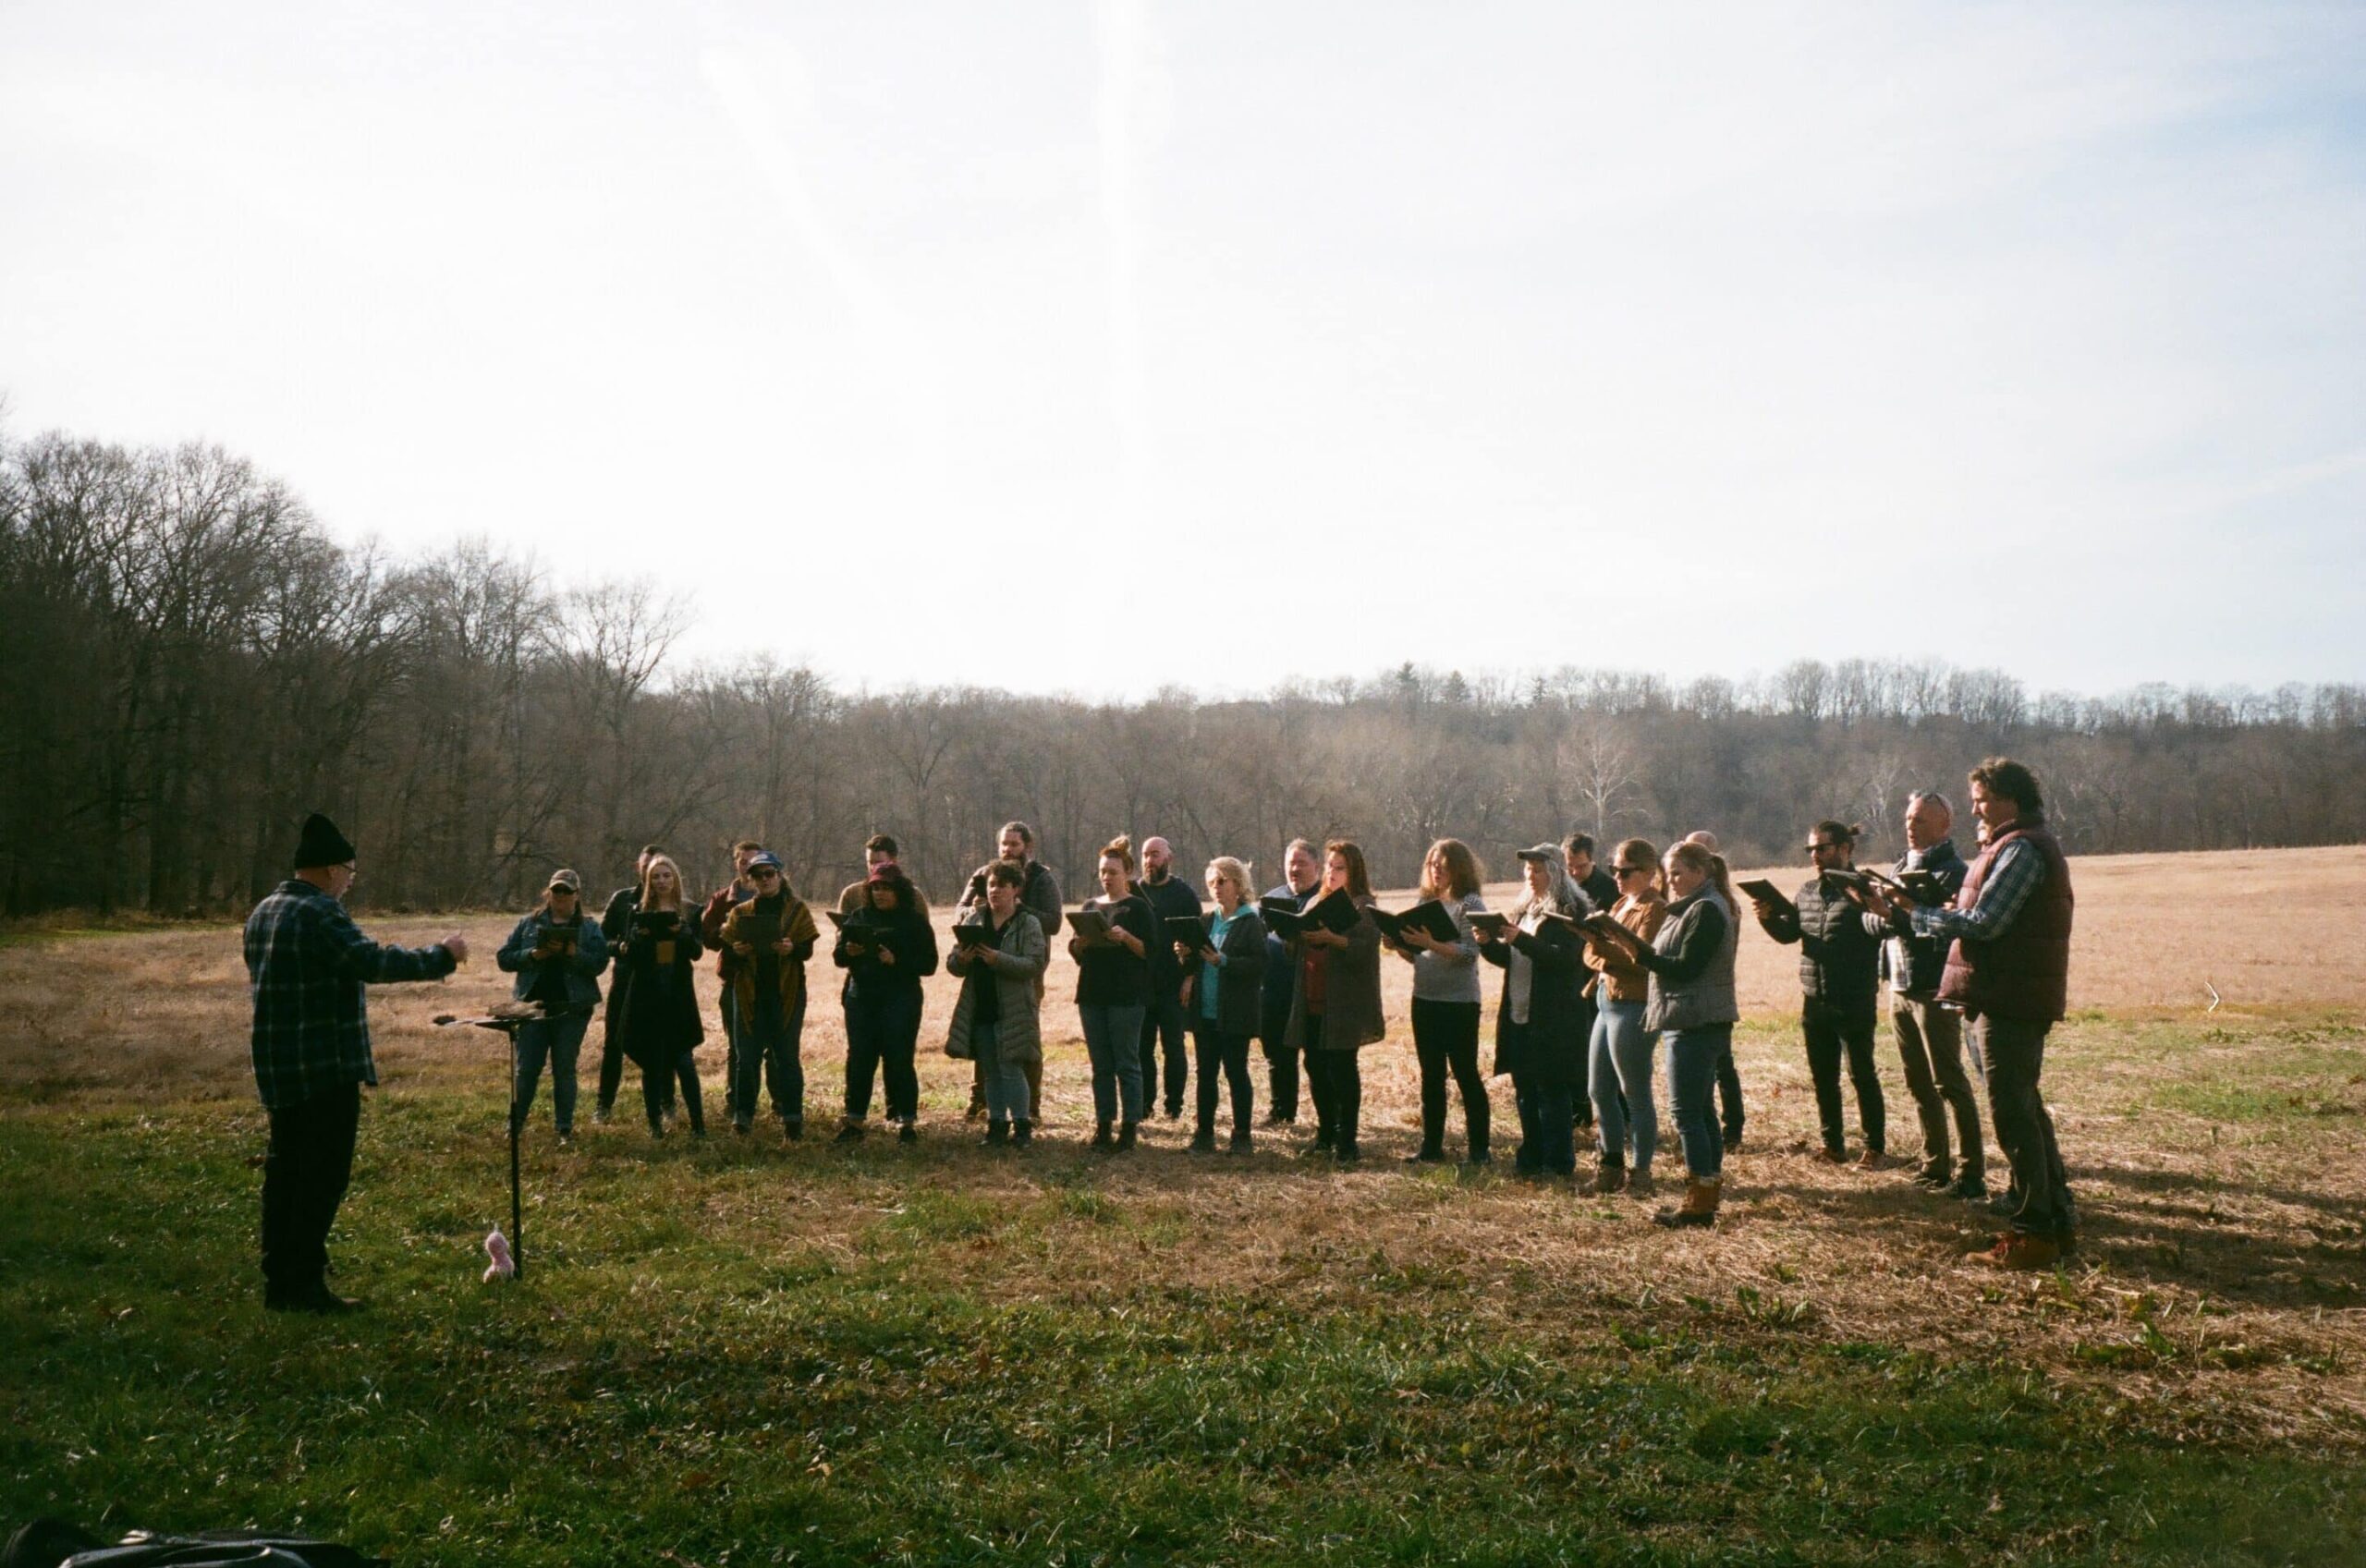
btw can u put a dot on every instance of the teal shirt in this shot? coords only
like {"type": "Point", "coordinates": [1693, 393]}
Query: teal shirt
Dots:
{"type": "Point", "coordinates": [1210, 973]}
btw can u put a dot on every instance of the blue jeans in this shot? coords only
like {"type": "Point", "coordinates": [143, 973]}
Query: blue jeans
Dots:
{"type": "Point", "coordinates": [771, 1041]}
{"type": "Point", "coordinates": [1693, 1057]}
{"type": "Point", "coordinates": [1113, 1037]}
{"type": "Point", "coordinates": [555, 1040]}
{"type": "Point", "coordinates": [1619, 1075]}
{"type": "Point", "coordinates": [1005, 1081]}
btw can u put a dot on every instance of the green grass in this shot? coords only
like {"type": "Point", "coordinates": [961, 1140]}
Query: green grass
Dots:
{"type": "Point", "coordinates": [740, 1355]}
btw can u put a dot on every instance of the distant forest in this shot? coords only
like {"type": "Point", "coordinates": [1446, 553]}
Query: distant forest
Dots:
{"type": "Point", "coordinates": [189, 662]}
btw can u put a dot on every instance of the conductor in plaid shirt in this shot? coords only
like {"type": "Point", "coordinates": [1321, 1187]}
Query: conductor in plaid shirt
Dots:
{"type": "Point", "coordinates": [308, 963]}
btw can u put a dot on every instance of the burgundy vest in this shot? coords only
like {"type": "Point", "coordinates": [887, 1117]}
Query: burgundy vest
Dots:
{"type": "Point", "coordinates": [2023, 975]}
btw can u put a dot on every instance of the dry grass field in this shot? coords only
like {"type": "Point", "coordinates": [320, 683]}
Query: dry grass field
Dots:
{"type": "Point", "coordinates": [2217, 1305]}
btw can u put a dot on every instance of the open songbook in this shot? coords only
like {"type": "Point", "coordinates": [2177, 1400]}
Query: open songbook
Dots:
{"type": "Point", "coordinates": [1487, 922]}
{"type": "Point", "coordinates": [1429, 916]}
{"type": "Point", "coordinates": [1184, 930]}
{"type": "Point", "coordinates": [1091, 927]}
{"type": "Point", "coordinates": [1921, 887]}
{"type": "Point", "coordinates": [1765, 893]}
{"type": "Point", "coordinates": [1283, 917]}
{"type": "Point", "coordinates": [973, 933]}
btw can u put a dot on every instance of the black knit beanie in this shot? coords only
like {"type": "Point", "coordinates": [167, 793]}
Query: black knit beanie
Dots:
{"type": "Point", "coordinates": [322, 843]}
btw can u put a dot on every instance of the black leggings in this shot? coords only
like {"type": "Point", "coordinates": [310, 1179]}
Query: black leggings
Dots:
{"type": "Point", "coordinates": [881, 1033]}
{"type": "Point", "coordinates": [658, 1092]}
{"type": "Point", "coordinates": [1339, 1083]}
{"type": "Point", "coordinates": [1228, 1053]}
{"type": "Point", "coordinates": [1446, 1037]}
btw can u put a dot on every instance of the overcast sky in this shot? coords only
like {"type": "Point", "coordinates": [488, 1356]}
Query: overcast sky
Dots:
{"type": "Point", "coordinates": [1128, 344]}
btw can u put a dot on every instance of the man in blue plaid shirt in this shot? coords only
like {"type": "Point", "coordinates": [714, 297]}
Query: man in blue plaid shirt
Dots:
{"type": "Point", "coordinates": [308, 963]}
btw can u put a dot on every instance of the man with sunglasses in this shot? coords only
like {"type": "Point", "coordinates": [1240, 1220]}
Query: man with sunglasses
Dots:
{"type": "Point", "coordinates": [1839, 970]}
{"type": "Point", "coordinates": [773, 934]}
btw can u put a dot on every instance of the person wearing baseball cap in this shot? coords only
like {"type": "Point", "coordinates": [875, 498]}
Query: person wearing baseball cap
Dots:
{"type": "Point", "coordinates": [774, 934]}
{"type": "Point", "coordinates": [557, 955]}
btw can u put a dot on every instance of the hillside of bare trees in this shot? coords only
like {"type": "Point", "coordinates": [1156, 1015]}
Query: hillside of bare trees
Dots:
{"type": "Point", "coordinates": [189, 661]}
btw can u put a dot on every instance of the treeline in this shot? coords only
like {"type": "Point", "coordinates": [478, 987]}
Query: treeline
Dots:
{"type": "Point", "coordinates": [189, 662]}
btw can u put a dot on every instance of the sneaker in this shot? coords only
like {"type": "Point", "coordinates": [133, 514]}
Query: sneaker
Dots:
{"type": "Point", "coordinates": [910, 1135]}
{"type": "Point", "coordinates": [1203, 1143]}
{"type": "Point", "coordinates": [2017, 1251]}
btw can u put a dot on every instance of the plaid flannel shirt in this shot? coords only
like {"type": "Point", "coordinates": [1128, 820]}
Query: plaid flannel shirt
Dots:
{"type": "Point", "coordinates": [306, 963]}
{"type": "Point", "coordinates": [2019, 868]}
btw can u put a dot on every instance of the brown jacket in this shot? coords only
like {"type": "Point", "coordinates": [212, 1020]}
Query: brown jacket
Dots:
{"type": "Point", "coordinates": [1617, 978]}
{"type": "Point", "coordinates": [797, 925]}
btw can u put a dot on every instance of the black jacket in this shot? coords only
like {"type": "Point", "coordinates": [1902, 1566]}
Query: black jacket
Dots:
{"type": "Point", "coordinates": [1549, 1046]}
{"type": "Point", "coordinates": [1926, 957]}
{"type": "Point", "coordinates": [1240, 989]}
{"type": "Point", "coordinates": [905, 932]}
{"type": "Point", "coordinates": [1839, 959]}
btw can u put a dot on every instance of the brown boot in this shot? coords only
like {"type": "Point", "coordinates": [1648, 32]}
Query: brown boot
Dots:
{"type": "Point", "coordinates": [1609, 1178]}
{"type": "Point", "coordinates": [1699, 1207]}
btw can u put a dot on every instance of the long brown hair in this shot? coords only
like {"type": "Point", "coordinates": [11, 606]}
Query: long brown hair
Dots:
{"type": "Point", "coordinates": [1462, 873]}
{"type": "Point", "coordinates": [1358, 877]}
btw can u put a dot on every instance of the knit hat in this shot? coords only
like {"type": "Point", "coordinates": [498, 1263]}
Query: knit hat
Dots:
{"type": "Point", "coordinates": [322, 844]}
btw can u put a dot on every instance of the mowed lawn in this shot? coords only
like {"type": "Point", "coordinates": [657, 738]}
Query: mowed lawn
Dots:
{"type": "Point", "coordinates": [744, 1351]}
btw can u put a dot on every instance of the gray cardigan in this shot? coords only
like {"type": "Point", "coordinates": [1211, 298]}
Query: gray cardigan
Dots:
{"type": "Point", "coordinates": [1021, 953]}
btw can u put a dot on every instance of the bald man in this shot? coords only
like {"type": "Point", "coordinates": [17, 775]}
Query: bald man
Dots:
{"type": "Point", "coordinates": [1930, 1034]}
{"type": "Point", "coordinates": [1163, 1020]}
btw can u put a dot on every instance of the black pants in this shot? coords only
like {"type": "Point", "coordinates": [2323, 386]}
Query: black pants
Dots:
{"type": "Point", "coordinates": [2015, 1052]}
{"type": "Point", "coordinates": [1281, 1064]}
{"type": "Point", "coordinates": [1830, 1032]}
{"type": "Point", "coordinates": [1446, 1037]}
{"type": "Point", "coordinates": [1162, 1027]}
{"type": "Point", "coordinates": [658, 1092]}
{"type": "Point", "coordinates": [1229, 1055]}
{"type": "Point", "coordinates": [611, 1051]}
{"type": "Point", "coordinates": [1547, 1142]}
{"type": "Point", "coordinates": [1339, 1083]}
{"type": "Point", "coordinates": [1729, 1095]}
{"type": "Point", "coordinates": [305, 1172]}
{"type": "Point", "coordinates": [881, 1034]}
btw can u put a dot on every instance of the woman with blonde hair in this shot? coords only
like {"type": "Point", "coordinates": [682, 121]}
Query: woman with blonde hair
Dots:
{"type": "Point", "coordinates": [1691, 1003]}
{"type": "Point", "coordinates": [1620, 1052]}
{"type": "Point", "coordinates": [1222, 994]}
{"type": "Point", "coordinates": [662, 1030]}
{"type": "Point", "coordinates": [1334, 1008]}
{"type": "Point", "coordinates": [1446, 1004]}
